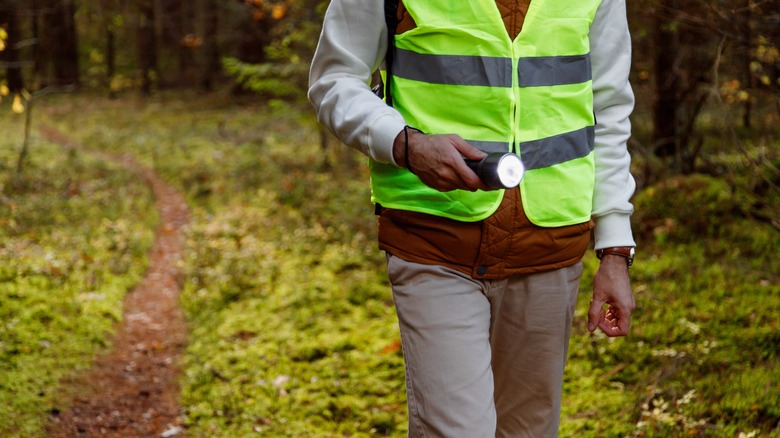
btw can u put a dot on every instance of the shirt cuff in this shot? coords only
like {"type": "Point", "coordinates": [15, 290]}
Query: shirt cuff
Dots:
{"type": "Point", "coordinates": [613, 230]}
{"type": "Point", "coordinates": [382, 134]}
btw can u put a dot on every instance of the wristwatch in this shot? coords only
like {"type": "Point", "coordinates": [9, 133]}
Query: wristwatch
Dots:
{"type": "Point", "coordinates": [626, 252]}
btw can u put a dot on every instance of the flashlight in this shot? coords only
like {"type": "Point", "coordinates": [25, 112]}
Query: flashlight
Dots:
{"type": "Point", "coordinates": [499, 170]}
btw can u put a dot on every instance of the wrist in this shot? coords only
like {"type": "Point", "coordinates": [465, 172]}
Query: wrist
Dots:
{"type": "Point", "coordinates": [625, 252]}
{"type": "Point", "coordinates": [401, 146]}
{"type": "Point", "coordinates": [399, 155]}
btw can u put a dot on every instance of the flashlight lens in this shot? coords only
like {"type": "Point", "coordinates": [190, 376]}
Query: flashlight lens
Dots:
{"type": "Point", "coordinates": [510, 170]}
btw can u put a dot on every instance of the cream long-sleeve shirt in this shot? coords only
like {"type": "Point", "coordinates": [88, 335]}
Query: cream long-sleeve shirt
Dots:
{"type": "Point", "coordinates": [353, 44]}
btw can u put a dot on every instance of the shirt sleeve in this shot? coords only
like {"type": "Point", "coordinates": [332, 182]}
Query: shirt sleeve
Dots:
{"type": "Point", "coordinates": [352, 45]}
{"type": "Point", "coordinates": [613, 101]}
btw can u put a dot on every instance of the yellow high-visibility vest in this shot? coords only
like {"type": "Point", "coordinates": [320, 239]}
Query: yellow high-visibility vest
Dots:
{"type": "Point", "coordinates": [459, 72]}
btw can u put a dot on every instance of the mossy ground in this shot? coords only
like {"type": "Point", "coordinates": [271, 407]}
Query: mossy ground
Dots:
{"type": "Point", "coordinates": [74, 232]}
{"type": "Point", "coordinates": [293, 332]}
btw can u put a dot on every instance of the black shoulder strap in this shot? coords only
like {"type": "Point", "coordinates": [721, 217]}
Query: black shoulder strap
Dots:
{"type": "Point", "coordinates": [391, 20]}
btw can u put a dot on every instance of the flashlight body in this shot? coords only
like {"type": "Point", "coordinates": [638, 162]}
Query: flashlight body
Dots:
{"type": "Point", "coordinates": [474, 166]}
{"type": "Point", "coordinates": [499, 170]}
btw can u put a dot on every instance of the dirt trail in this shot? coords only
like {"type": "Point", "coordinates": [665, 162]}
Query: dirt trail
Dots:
{"type": "Point", "coordinates": [132, 391]}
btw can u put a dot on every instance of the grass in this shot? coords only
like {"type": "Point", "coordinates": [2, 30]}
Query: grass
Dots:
{"type": "Point", "coordinates": [293, 332]}
{"type": "Point", "coordinates": [74, 231]}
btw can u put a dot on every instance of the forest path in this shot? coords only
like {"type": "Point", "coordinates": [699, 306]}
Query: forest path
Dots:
{"type": "Point", "coordinates": [132, 390]}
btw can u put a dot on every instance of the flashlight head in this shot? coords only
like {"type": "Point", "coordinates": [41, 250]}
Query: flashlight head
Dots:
{"type": "Point", "coordinates": [499, 170]}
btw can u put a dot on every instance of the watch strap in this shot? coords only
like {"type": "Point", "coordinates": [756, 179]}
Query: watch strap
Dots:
{"type": "Point", "coordinates": [626, 252]}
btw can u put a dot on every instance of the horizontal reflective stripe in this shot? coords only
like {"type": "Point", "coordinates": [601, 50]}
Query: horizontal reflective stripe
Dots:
{"type": "Point", "coordinates": [490, 146]}
{"type": "Point", "coordinates": [548, 151]}
{"type": "Point", "coordinates": [547, 71]}
{"type": "Point", "coordinates": [491, 71]}
{"type": "Point", "coordinates": [557, 149]}
{"type": "Point", "coordinates": [453, 69]}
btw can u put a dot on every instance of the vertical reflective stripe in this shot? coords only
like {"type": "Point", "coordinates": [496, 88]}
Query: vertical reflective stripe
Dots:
{"type": "Point", "coordinates": [557, 149]}
{"type": "Point", "coordinates": [553, 70]}
{"type": "Point", "coordinates": [453, 69]}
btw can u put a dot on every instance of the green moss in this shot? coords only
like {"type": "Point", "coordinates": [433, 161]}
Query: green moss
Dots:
{"type": "Point", "coordinates": [293, 332]}
{"type": "Point", "coordinates": [73, 240]}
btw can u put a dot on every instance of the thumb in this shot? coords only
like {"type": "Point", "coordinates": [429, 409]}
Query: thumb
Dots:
{"type": "Point", "coordinates": [595, 314]}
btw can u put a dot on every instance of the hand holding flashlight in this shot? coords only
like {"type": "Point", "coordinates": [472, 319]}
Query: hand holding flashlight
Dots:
{"type": "Point", "coordinates": [438, 160]}
{"type": "Point", "coordinates": [499, 170]}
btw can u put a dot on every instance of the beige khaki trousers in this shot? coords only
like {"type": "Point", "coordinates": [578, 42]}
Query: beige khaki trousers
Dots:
{"type": "Point", "coordinates": [483, 358]}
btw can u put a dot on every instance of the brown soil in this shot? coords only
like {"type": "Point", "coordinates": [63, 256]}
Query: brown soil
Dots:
{"type": "Point", "coordinates": [132, 390]}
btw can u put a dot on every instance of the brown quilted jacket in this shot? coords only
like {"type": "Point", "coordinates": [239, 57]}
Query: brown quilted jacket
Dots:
{"type": "Point", "coordinates": [512, 11]}
{"type": "Point", "coordinates": [506, 243]}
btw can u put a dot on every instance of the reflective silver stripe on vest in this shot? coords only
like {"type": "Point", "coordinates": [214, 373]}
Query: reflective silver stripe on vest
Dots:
{"type": "Point", "coordinates": [546, 71]}
{"type": "Point", "coordinates": [557, 149]}
{"type": "Point", "coordinates": [453, 69]}
{"type": "Point", "coordinates": [490, 71]}
{"type": "Point", "coordinates": [490, 146]}
{"type": "Point", "coordinates": [548, 151]}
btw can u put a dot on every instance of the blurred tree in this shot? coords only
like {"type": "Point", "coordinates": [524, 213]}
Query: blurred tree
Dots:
{"type": "Point", "coordinates": [691, 55]}
{"type": "Point", "coordinates": [106, 17]}
{"type": "Point", "coordinates": [283, 62]}
{"type": "Point", "coordinates": [211, 46]}
{"type": "Point", "coordinates": [700, 50]}
{"type": "Point", "coordinates": [254, 31]}
{"type": "Point", "coordinates": [178, 35]}
{"type": "Point", "coordinates": [147, 44]}
{"type": "Point", "coordinates": [667, 80]}
{"type": "Point", "coordinates": [9, 57]}
{"type": "Point", "coordinates": [58, 43]}
{"type": "Point", "coordinates": [684, 55]}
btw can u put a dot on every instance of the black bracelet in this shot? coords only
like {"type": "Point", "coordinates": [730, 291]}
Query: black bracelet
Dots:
{"type": "Point", "coordinates": [406, 146]}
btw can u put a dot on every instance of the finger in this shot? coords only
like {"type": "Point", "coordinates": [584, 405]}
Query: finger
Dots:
{"type": "Point", "coordinates": [622, 318]}
{"type": "Point", "coordinates": [466, 149]}
{"type": "Point", "coordinates": [469, 180]}
{"type": "Point", "coordinates": [614, 325]}
{"type": "Point", "coordinates": [612, 330]}
{"type": "Point", "coordinates": [442, 166]}
{"type": "Point", "coordinates": [624, 324]}
{"type": "Point", "coordinates": [476, 183]}
{"type": "Point", "coordinates": [443, 180]}
{"type": "Point", "coordinates": [465, 178]}
{"type": "Point", "coordinates": [595, 314]}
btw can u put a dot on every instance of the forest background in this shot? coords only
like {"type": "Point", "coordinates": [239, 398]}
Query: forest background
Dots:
{"type": "Point", "coordinates": [291, 326]}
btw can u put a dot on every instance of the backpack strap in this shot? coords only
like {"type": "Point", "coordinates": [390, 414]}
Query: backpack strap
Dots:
{"type": "Point", "coordinates": [391, 20]}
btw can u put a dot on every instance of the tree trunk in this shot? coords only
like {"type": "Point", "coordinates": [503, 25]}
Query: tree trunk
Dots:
{"type": "Point", "coordinates": [110, 60]}
{"type": "Point", "coordinates": [60, 45]}
{"type": "Point", "coordinates": [667, 82]}
{"type": "Point", "coordinates": [211, 50]}
{"type": "Point", "coordinates": [179, 35]}
{"type": "Point", "coordinates": [147, 45]}
{"type": "Point", "coordinates": [10, 56]}
{"type": "Point", "coordinates": [70, 64]}
{"type": "Point", "coordinates": [747, 59]}
{"type": "Point", "coordinates": [37, 49]}
{"type": "Point", "coordinates": [253, 37]}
